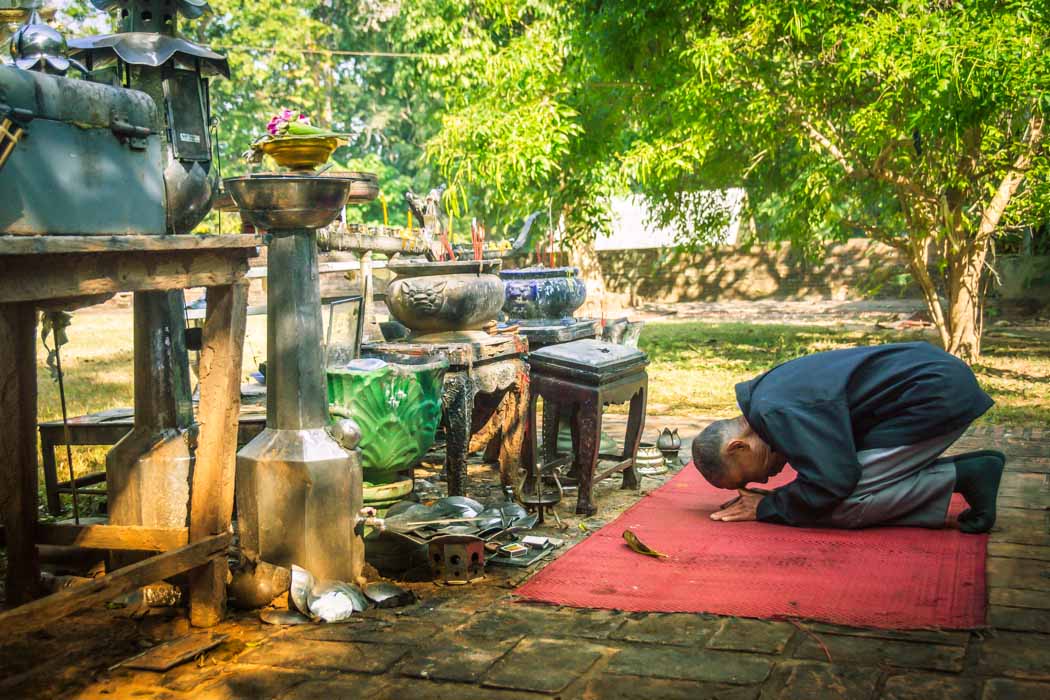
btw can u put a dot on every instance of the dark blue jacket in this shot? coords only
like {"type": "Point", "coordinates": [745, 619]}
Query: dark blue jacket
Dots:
{"type": "Point", "coordinates": [820, 410]}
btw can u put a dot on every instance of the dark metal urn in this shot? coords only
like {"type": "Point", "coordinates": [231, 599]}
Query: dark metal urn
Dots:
{"type": "Point", "coordinates": [445, 297]}
{"type": "Point", "coordinates": [547, 293]}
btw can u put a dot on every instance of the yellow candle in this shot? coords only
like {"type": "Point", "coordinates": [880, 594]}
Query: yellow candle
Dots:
{"type": "Point", "coordinates": [410, 222]}
{"type": "Point", "coordinates": [382, 200]}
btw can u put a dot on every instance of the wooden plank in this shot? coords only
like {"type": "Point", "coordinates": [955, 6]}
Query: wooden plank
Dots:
{"type": "Point", "coordinates": [168, 655]}
{"type": "Point", "coordinates": [121, 537]}
{"type": "Point", "coordinates": [35, 278]}
{"type": "Point", "coordinates": [18, 470]}
{"type": "Point", "coordinates": [211, 494]}
{"type": "Point", "coordinates": [57, 605]}
{"type": "Point", "coordinates": [37, 245]}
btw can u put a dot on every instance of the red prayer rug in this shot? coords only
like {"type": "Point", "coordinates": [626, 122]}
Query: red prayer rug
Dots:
{"type": "Point", "coordinates": [887, 577]}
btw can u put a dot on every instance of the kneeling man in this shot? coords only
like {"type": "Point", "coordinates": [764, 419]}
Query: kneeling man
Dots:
{"type": "Point", "coordinates": [864, 428]}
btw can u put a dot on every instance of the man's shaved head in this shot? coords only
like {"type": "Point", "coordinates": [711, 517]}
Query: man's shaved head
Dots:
{"type": "Point", "coordinates": [709, 449]}
{"type": "Point", "coordinates": [730, 455]}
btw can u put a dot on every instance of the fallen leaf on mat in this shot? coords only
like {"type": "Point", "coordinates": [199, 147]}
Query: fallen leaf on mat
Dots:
{"type": "Point", "coordinates": [641, 547]}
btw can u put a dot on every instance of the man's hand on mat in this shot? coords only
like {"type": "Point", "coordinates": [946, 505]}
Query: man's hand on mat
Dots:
{"type": "Point", "coordinates": [734, 499]}
{"type": "Point", "coordinates": [744, 507]}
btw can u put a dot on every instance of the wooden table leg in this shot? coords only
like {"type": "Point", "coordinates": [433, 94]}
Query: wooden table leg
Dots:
{"type": "Point", "coordinates": [635, 424]}
{"type": "Point", "coordinates": [515, 421]}
{"type": "Point", "coordinates": [211, 496]}
{"type": "Point", "coordinates": [458, 411]}
{"type": "Point", "coordinates": [50, 466]}
{"type": "Point", "coordinates": [18, 476]}
{"type": "Point", "coordinates": [588, 420]}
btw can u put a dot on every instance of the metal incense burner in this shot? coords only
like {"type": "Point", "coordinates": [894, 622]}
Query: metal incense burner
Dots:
{"type": "Point", "coordinates": [299, 490]}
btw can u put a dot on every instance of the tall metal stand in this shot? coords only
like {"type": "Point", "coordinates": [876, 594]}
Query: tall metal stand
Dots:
{"type": "Point", "coordinates": [295, 468]}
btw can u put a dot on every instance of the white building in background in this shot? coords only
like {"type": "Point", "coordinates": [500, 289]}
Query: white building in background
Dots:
{"type": "Point", "coordinates": [632, 229]}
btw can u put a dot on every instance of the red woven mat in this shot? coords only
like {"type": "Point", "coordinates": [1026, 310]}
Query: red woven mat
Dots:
{"type": "Point", "coordinates": [890, 578]}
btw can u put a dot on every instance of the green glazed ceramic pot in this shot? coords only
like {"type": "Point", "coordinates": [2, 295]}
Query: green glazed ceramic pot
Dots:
{"type": "Point", "coordinates": [396, 402]}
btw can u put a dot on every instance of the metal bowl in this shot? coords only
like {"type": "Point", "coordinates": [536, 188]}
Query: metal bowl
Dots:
{"type": "Point", "coordinates": [276, 201]}
{"type": "Point", "coordinates": [301, 152]}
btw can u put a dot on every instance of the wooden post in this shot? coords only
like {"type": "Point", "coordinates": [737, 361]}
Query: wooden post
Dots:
{"type": "Point", "coordinates": [211, 497]}
{"type": "Point", "coordinates": [18, 475]}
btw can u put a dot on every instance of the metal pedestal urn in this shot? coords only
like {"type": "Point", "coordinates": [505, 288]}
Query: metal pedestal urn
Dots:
{"type": "Point", "coordinates": [299, 491]}
{"type": "Point", "coordinates": [445, 300]}
{"type": "Point", "coordinates": [543, 295]}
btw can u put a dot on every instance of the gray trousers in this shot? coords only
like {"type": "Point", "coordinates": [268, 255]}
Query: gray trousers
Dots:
{"type": "Point", "coordinates": [900, 486]}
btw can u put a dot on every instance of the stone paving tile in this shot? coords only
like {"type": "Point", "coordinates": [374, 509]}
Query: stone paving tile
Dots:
{"type": "Point", "coordinates": [1017, 655]}
{"type": "Point", "coordinates": [683, 629]}
{"type": "Point", "coordinates": [120, 691]}
{"type": "Point", "coordinates": [690, 664]}
{"type": "Point", "coordinates": [1024, 483]}
{"type": "Point", "coordinates": [944, 637]}
{"type": "Point", "coordinates": [348, 657]}
{"type": "Point", "coordinates": [1018, 551]}
{"type": "Point", "coordinates": [1028, 574]}
{"type": "Point", "coordinates": [1019, 619]}
{"type": "Point", "coordinates": [543, 665]}
{"type": "Point", "coordinates": [1018, 598]}
{"type": "Point", "coordinates": [805, 680]}
{"type": "Point", "coordinates": [927, 686]}
{"type": "Point", "coordinates": [606, 687]}
{"type": "Point", "coordinates": [738, 634]}
{"type": "Point", "coordinates": [543, 621]}
{"type": "Point", "coordinates": [1020, 526]}
{"type": "Point", "coordinates": [241, 682]}
{"type": "Point", "coordinates": [334, 688]}
{"type": "Point", "coordinates": [861, 650]}
{"type": "Point", "coordinates": [412, 689]}
{"type": "Point", "coordinates": [1002, 689]}
{"type": "Point", "coordinates": [460, 659]}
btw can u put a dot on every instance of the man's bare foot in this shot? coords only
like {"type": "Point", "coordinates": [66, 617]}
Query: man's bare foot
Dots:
{"type": "Point", "coordinates": [977, 476]}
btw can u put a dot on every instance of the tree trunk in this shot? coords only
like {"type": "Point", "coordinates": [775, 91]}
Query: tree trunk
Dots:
{"type": "Point", "coordinates": [965, 304]}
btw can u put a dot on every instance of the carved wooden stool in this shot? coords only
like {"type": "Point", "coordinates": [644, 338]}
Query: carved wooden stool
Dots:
{"type": "Point", "coordinates": [586, 375]}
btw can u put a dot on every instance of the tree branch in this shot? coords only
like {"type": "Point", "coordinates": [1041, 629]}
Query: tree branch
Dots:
{"type": "Point", "coordinates": [1008, 185]}
{"type": "Point", "coordinates": [830, 147]}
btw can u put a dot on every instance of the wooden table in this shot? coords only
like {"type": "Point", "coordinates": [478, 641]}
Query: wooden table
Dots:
{"type": "Point", "coordinates": [492, 367]}
{"type": "Point", "coordinates": [68, 272]}
{"type": "Point", "coordinates": [107, 428]}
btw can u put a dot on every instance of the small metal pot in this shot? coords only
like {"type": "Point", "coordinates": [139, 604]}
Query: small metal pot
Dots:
{"type": "Point", "coordinates": [648, 461]}
{"type": "Point", "coordinates": [543, 293]}
{"type": "Point", "coordinates": [445, 296]}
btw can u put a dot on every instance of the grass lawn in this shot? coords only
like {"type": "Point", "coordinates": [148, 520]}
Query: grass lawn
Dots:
{"type": "Point", "coordinates": [694, 367]}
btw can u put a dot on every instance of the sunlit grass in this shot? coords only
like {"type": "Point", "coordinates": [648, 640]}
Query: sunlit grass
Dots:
{"type": "Point", "coordinates": [694, 367]}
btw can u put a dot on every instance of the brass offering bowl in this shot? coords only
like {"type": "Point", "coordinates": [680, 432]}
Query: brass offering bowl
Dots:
{"type": "Point", "coordinates": [300, 152]}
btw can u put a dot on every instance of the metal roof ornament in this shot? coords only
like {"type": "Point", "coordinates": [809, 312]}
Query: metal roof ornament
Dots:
{"type": "Point", "coordinates": [189, 8]}
{"type": "Point", "coordinates": [147, 49]}
{"type": "Point", "coordinates": [38, 46]}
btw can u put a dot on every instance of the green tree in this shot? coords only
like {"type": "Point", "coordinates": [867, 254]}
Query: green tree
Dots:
{"type": "Point", "coordinates": [918, 123]}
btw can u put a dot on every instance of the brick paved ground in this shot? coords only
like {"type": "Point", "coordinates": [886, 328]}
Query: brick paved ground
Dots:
{"type": "Point", "coordinates": [471, 642]}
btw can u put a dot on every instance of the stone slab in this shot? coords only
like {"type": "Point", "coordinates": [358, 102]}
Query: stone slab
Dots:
{"type": "Point", "coordinates": [1018, 598]}
{"type": "Point", "coordinates": [928, 686]}
{"type": "Point", "coordinates": [1029, 574]}
{"type": "Point", "coordinates": [805, 680]}
{"type": "Point", "coordinates": [737, 634]}
{"type": "Point", "coordinates": [945, 637]}
{"type": "Point", "coordinates": [876, 652]}
{"type": "Point", "coordinates": [543, 665]}
{"type": "Point", "coordinates": [1018, 551]}
{"type": "Point", "coordinates": [1020, 526]}
{"type": "Point", "coordinates": [1016, 655]}
{"type": "Point", "coordinates": [346, 657]}
{"type": "Point", "coordinates": [1003, 689]}
{"type": "Point", "coordinates": [688, 664]}
{"type": "Point", "coordinates": [461, 659]}
{"type": "Point", "coordinates": [1019, 619]}
{"type": "Point", "coordinates": [683, 629]}
{"type": "Point", "coordinates": [610, 686]}
{"type": "Point", "coordinates": [342, 686]}
{"type": "Point", "coordinates": [415, 689]}
{"type": "Point", "coordinates": [543, 621]}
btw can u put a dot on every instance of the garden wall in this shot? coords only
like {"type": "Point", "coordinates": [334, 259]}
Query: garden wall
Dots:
{"type": "Point", "coordinates": [852, 270]}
